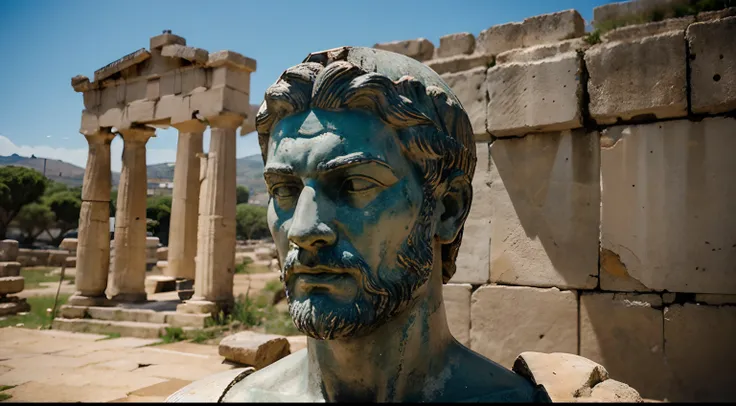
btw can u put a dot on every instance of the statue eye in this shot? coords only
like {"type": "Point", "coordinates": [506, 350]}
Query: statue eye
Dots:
{"type": "Point", "coordinates": [358, 184]}
{"type": "Point", "coordinates": [284, 191]}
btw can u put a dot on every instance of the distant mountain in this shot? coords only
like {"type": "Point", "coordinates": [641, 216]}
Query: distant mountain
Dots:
{"type": "Point", "coordinates": [249, 172]}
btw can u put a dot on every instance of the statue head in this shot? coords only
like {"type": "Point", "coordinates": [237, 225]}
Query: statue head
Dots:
{"type": "Point", "coordinates": [369, 159]}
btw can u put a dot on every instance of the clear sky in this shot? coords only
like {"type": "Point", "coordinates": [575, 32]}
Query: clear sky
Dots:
{"type": "Point", "coordinates": [43, 44]}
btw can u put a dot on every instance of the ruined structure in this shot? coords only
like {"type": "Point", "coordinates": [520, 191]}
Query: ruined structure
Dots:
{"type": "Point", "coordinates": [10, 280]}
{"type": "Point", "coordinates": [169, 84]}
{"type": "Point", "coordinates": [602, 221]}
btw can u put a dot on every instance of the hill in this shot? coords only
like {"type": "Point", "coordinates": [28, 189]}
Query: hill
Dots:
{"type": "Point", "coordinates": [249, 172]}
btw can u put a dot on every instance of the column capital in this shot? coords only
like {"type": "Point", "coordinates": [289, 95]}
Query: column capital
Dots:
{"type": "Point", "coordinates": [137, 133]}
{"type": "Point", "coordinates": [103, 135]}
{"type": "Point", "coordinates": [231, 121]}
{"type": "Point", "coordinates": [190, 126]}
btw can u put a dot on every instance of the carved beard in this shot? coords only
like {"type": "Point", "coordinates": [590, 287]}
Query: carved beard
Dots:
{"type": "Point", "coordinates": [383, 294]}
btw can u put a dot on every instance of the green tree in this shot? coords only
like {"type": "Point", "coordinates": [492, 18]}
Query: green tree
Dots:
{"type": "Point", "coordinates": [32, 220]}
{"type": "Point", "coordinates": [158, 209]}
{"type": "Point", "coordinates": [66, 206]}
{"type": "Point", "coordinates": [251, 222]}
{"type": "Point", "coordinates": [242, 194]}
{"type": "Point", "coordinates": [18, 187]}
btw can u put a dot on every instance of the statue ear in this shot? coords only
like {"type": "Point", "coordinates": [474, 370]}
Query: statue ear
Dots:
{"type": "Point", "coordinates": [456, 205]}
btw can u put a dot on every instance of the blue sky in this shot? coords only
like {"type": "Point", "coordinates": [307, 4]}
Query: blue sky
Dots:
{"type": "Point", "coordinates": [45, 43]}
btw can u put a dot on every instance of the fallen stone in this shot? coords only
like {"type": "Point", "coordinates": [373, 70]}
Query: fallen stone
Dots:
{"type": "Point", "coordinates": [9, 269]}
{"type": "Point", "coordinates": [637, 79]}
{"type": "Point", "coordinates": [564, 376]}
{"type": "Point", "coordinates": [8, 250]}
{"type": "Point", "coordinates": [11, 284]}
{"type": "Point", "coordinates": [613, 391]}
{"type": "Point", "coordinates": [539, 96]}
{"type": "Point", "coordinates": [420, 49]}
{"type": "Point", "coordinates": [456, 44]}
{"type": "Point", "coordinates": [254, 349]}
{"type": "Point", "coordinates": [506, 320]}
{"type": "Point", "coordinates": [160, 283]}
{"type": "Point", "coordinates": [712, 66]}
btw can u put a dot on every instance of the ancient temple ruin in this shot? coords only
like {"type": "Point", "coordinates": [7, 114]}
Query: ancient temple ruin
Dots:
{"type": "Point", "coordinates": [168, 85]}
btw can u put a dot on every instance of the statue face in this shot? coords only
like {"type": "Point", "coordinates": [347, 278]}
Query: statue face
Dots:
{"type": "Point", "coordinates": [349, 218]}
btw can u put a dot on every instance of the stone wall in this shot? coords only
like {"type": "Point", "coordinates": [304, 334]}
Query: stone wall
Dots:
{"type": "Point", "coordinates": [603, 219]}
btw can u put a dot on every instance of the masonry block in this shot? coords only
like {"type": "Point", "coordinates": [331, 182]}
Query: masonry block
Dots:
{"type": "Point", "coordinates": [500, 38]}
{"type": "Point", "coordinates": [539, 96]}
{"type": "Point", "coordinates": [545, 203]}
{"type": "Point", "coordinates": [623, 332]}
{"type": "Point", "coordinates": [219, 100]}
{"type": "Point", "coordinates": [8, 250]}
{"type": "Point", "coordinates": [456, 44]}
{"type": "Point", "coordinates": [469, 88]}
{"type": "Point", "coordinates": [713, 66]}
{"type": "Point", "coordinates": [473, 259]}
{"type": "Point", "coordinates": [9, 269]}
{"type": "Point", "coordinates": [226, 76]}
{"type": "Point", "coordinates": [508, 320]}
{"type": "Point", "coordinates": [537, 52]}
{"type": "Point", "coordinates": [459, 63]}
{"type": "Point", "coordinates": [457, 307]}
{"type": "Point", "coordinates": [667, 203]}
{"type": "Point", "coordinates": [420, 49]}
{"type": "Point", "coordinates": [700, 352]}
{"type": "Point", "coordinates": [553, 27]}
{"type": "Point", "coordinates": [11, 284]}
{"type": "Point", "coordinates": [645, 78]}
{"type": "Point", "coordinates": [135, 90]}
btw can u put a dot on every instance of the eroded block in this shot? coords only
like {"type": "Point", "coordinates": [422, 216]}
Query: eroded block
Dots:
{"type": "Point", "coordinates": [713, 65]}
{"type": "Point", "coordinates": [469, 88]}
{"type": "Point", "coordinates": [545, 197]}
{"type": "Point", "coordinates": [509, 320]}
{"type": "Point", "coordinates": [459, 63]}
{"type": "Point", "coordinates": [539, 96]}
{"type": "Point", "coordinates": [500, 38]}
{"type": "Point", "coordinates": [644, 78]}
{"type": "Point", "coordinates": [420, 49]}
{"type": "Point", "coordinates": [667, 211]}
{"type": "Point", "coordinates": [553, 27]}
{"type": "Point", "coordinates": [456, 44]}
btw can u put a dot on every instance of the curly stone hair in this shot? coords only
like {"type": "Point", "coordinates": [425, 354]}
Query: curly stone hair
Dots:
{"type": "Point", "coordinates": [434, 130]}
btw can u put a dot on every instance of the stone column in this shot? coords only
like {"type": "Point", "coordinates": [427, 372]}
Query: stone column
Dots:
{"type": "Point", "coordinates": [129, 263]}
{"type": "Point", "coordinates": [185, 202]}
{"type": "Point", "coordinates": [215, 261]}
{"type": "Point", "coordinates": [93, 245]}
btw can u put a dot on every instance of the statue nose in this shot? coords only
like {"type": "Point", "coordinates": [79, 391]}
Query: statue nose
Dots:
{"type": "Point", "coordinates": [308, 229]}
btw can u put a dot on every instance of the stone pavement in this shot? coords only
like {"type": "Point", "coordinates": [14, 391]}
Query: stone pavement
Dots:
{"type": "Point", "coordinates": [57, 366]}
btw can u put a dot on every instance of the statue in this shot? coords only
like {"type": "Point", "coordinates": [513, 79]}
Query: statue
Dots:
{"type": "Point", "coordinates": [369, 158]}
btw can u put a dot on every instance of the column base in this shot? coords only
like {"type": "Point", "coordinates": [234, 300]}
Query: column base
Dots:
{"type": "Point", "coordinates": [204, 306]}
{"type": "Point", "coordinates": [130, 297]}
{"type": "Point", "coordinates": [81, 300]}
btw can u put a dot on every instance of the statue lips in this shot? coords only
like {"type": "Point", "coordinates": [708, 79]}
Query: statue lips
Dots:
{"type": "Point", "coordinates": [322, 279]}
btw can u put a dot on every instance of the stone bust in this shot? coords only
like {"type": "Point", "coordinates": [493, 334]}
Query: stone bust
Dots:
{"type": "Point", "coordinates": [369, 158]}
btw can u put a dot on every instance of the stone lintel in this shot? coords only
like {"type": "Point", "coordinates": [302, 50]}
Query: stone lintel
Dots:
{"type": "Point", "coordinates": [232, 59]}
{"type": "Point", "coordinates": [125, 62]}
{"type": "Point", "coordinates": [194, 55]}
{"type": "Point", "coordinates": [159, 41]}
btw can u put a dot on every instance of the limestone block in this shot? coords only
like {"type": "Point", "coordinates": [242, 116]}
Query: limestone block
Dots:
{"type": "Point", "coordinates": [623, 332]}
{"type": "Point", "coordinates": [57, 257]}
{"type": "Point", "coordinates": [297, 343]}
{"type": "Point", "coordinates": [500, 38]}
{"type": "Point", "coordinates": [641, 78]}
{"type": "Point", "coordinates": [135, 90]}
{"type": "Point", "coordinates": [632, 32]}
{"type": "Point", "coordinates": [686, 167]}
{"type": "Point", "coordinates": [553, 27]}
{"type": "Point", "coordinates": [459, 63]}
{"type": "Point", "coordinates": [420, 49]}
{"type": "Point", "coordinates": [112, 117]}
{"type": "Point", "coordinates": [10, 305]}
{"type": "Point", "coordinates": [8, 250]}
{"type": "Point", "coordinates": [232, 59]}
{"type": "Point", "coordinates": [139, 112]}
{"type": "Point", "coordinates": [191, 54]}
{"type": "Point", "coordinates": [254, 349]}
{"type": "Point", "coordinates": [456, 44]}
{"type": "Point", "coordinates": [615, 277]}
{"type": "Point", "coordinates": [192, 79]}
{"type": "Point", "coordinates": [506, 320]}
{"type": "Point", "coordinates": [227, 76]}
{"type": "Point", "coordinates": [572, 378]}
{"type": "Point", "coordinates": [40, 257]}
{"type": "Point", "coordinates": [220, 100]}
{"type": "Point", "coordinates": [159, 283]}
{"type": "Point", "coordinates": [152, 242]}
{"type": "Point", "coordinates": [91, 99]}
{"type": "Point", "coordinates": [715, 299]}
{"type": "Point", "coordinates": [545, 205]}
{"type": "Point", "coordinates": [537, 52]}
{"type": "Point", "coordinates": [153, 89]}
{"type": "Point", "coordinates": [70, 262]}
{"type": "Point", "coordinates": [72, 312]}
{"type": "Point", "coordinates": [473, 259]}
{"type": "Point", "coordinates": [9, 269]}
{"type": "Point", "coordinates": [623, 11]}
{"type": "Point", "coordinates": [109, 97]}
{"type": "Point", "coordinates": [174, 107]}
{"type": "Point", "coordinates": [90, 123]}
{"type": "Point", "coordinates": [11, 284]}
{"type": "Point", "coordinates": [457, 308]}
{"type": "Point", "coordinates": [701, 353]}
{"type": "Point", "coordinates": [176, 319]}
{"type": "Point", "coordinates": [162, 264]}
{"type": "Point", "coordinates": [539, 96]}
{"type": "Point", "coordinates": [712, 66]}
{"type": "Point", "coordinates": [69, 244]}
{"type": "Point", "coordinates": [162, 253]}
{"type": "Point", "coordinates": [469, 88]}
{"type": "Point", "coordinates": [159, 41]}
